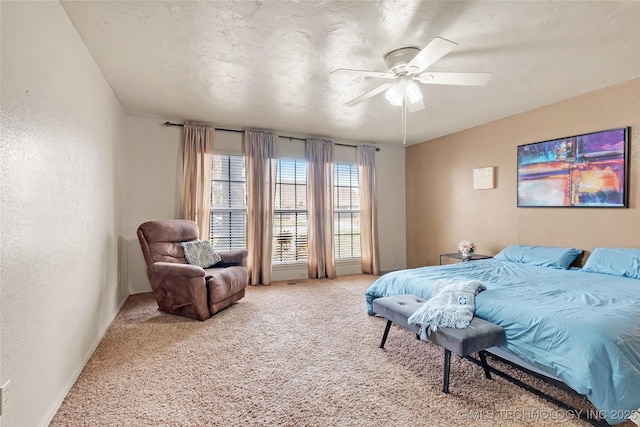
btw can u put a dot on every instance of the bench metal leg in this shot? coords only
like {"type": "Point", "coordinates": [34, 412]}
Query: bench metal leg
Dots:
{"type": "Point", "coordinates": [447, 368]}
{"type": "Point", "coordinates": [386, 333]}
{"type": "Point", "coordinates": [483, 359]}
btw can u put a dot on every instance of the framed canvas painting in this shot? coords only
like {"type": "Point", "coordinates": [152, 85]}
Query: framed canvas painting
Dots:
{"type": "Point", "coordinates": [589, 170]}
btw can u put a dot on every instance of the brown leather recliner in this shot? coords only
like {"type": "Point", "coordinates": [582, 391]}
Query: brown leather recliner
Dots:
{"type": "Point", "coordinates": [184, 289]}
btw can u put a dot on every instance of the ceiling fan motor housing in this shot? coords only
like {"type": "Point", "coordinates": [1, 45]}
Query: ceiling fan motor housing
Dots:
{"type": "Point", "coordinates": [396, 60]}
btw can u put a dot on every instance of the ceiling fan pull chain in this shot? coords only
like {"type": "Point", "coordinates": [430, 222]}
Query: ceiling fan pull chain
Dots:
{"type": "Point", "coordinates": [404, 120]}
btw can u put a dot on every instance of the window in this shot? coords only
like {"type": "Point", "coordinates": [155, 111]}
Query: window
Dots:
{"type": "Point", "coordinates": [346, 211]}
{"type": "Point", "coordinates": [290, 213]}
{"type": "Point", "coordinates": [228, 226]}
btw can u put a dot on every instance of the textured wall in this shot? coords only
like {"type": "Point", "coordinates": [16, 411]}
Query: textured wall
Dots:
{"type": "Point", "coordinates": [443, 208]}
{"type": "Point", "coordinates": [154, 173]}
{"type": "Point", "coordinates": [61, 133]}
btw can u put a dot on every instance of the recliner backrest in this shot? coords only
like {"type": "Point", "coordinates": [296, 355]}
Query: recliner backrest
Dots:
{"type": "Point", "coordinates": [160, 240]}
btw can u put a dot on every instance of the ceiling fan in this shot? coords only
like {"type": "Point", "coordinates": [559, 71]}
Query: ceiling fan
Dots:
{"type": "Point", "coordinates": [405, 67]}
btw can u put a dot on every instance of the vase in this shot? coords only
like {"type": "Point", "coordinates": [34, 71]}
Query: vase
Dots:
{"type": "Point", "coordinates": [466, 256]}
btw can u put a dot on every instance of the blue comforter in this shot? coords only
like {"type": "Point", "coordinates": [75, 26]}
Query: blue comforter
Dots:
{"type": "Point", "coordinates": [583, 328]}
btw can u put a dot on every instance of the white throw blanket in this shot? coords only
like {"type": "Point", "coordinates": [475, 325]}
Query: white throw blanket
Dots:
{"type": "Point", "coordinates": [452, 305]}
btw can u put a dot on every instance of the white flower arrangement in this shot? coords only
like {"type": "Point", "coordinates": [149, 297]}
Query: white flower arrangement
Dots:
{"type": "Point", "coordinates": [466, 247]}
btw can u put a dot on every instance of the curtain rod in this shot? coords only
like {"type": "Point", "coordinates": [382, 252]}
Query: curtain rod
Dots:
{"type": "Point", "coordinates": [283, 136]}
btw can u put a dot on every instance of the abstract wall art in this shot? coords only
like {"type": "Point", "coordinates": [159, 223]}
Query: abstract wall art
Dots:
{"type": "Point", "coordinates": [589, 170]}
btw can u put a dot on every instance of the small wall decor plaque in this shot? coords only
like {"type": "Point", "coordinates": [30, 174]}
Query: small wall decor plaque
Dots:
{"type": "Point", "coordinates": [483, 178]}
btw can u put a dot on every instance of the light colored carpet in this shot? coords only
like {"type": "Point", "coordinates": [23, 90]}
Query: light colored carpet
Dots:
{"type": "Point", "coordinates": [303, 354]}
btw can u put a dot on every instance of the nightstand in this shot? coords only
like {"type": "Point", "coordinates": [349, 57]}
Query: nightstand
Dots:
{"type": "Point", "coordinates": [457, 255]}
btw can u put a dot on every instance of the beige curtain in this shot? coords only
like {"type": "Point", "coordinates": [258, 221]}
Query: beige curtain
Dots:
{"type": "Point", "coordinates": [368, 209]}
{"type": "Point", "coordinates": [197, 156]}
{"type": "Point", "coordinates": [319, 154]}
{"type": "Point", "coordinates": [260, 149]}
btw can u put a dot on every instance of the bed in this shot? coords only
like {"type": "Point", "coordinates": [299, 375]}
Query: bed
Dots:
{"type": "Point", "coordinates": [581, 326]}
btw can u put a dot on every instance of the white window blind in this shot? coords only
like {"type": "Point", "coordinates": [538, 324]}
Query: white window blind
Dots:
{"type": "Point", "coordinates": [228, 226]}
{"type": "Point", "coordinates": [290, 213]}
{"type": "Point", "coordinates": [346, 212]}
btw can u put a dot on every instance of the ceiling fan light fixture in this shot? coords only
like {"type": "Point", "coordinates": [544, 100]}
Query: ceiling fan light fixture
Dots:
{"type": "Point", "coordinates": [412, 91]}
{"type": "Point", "coordinates": [394, 95]}
{"type": "Point", "coordinates": [403, 89]}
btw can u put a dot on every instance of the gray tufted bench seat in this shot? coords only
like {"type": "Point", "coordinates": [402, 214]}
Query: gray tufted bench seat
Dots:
{"type": "Point", "coordinates": [479, 336]}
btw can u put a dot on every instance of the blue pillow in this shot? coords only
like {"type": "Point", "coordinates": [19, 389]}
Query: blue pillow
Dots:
{"type": "Point", "coordinates": [543, 256]}
{"type": "Point", "coordinates": [623, 262]}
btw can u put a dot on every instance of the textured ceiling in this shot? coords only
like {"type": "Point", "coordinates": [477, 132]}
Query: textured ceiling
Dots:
{"type": "Point", "coordinates": [267, 64]}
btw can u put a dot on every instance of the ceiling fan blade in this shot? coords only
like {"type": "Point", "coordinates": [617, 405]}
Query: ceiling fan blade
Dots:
{"type": "Point", "coordinates": [415, 106]}
{"type": "Point", "coordinates": [462, 79]}
{"type": "Point", "coordinates": [365, 73]}
{"type": "Point", "coordinates": [435, 50]}
{"type": "Point", "coordinates": [373, 92]}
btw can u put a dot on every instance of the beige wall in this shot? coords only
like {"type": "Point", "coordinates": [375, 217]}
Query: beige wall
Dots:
{"type": "Point", "coordinates": [62, 130]}
{"type": "Point", "coordinates": [443, 208]}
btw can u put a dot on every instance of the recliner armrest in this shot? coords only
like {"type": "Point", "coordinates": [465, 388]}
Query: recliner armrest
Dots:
{"type": "Point", "coordinates": [232, 257]}
{"type": "Point", "coordinates": [175, 270]}
{"type": "Point", "coordinates": [179, 289]}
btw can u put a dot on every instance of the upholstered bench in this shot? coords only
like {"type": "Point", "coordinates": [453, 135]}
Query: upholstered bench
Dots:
{"type": "Point", "coordinates": [479, 336]}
